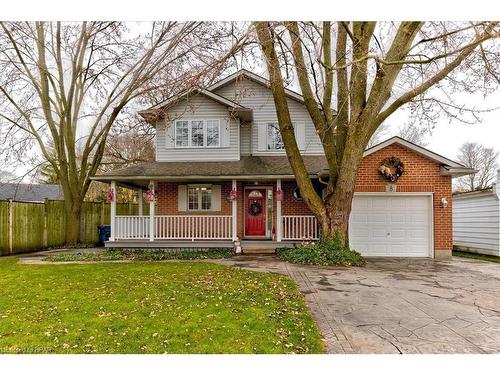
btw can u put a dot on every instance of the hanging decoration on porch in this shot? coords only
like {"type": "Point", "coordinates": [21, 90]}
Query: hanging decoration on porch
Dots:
{"type": "Point", "coordinates": [110, 196]}
{"type": "Point", "coordinates": [279, 195]}
{"type": "Point", "coordinates": [296, 194]}
{"type": "Point", "coordinates": [150, 195]}
{"type": "Point", "coordinates": [255, 208]}
{"type": "Point", "coordinates": [232, 195]}
{"type": "Point", "coordinates": [391, 168]}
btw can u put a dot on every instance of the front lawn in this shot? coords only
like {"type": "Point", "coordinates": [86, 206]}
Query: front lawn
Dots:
{"type": "Point", "coordinates": [488, 258]}
{"type": "Point", "coordinates": [172, 307]}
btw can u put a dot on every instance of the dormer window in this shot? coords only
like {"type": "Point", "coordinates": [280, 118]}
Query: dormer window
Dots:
{"type": "Point", "coordinates": [197, 133]}
{"type": "Point", "coordinates": [274, 140]}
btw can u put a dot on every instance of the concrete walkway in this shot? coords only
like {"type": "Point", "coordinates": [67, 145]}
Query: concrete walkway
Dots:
{"type": "Point", "coordinates": [399, 306]}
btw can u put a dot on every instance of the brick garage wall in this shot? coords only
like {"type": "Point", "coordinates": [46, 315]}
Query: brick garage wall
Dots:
{"type": "Point", "coordinates": [421, 175]}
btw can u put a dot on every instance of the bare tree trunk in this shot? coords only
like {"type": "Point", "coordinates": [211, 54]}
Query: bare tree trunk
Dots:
{"type": "Point", "coordinates": [338, 204]}
{"type": "Point", "coordinates": [73, 213]}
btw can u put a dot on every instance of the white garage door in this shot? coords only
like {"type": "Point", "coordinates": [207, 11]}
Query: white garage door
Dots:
{"type": "Point", "coordinates": [396, 226]}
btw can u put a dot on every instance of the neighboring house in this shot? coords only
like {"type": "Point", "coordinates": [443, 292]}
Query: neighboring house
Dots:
{"type": "Point", "coordinates": [476, 220]}
{"type": "Point", "coordinates": [221, 174]}
{"type": "Point", "coordinates": [30, 192]}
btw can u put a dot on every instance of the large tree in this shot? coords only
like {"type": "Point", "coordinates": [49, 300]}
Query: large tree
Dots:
{"type": "Point", "coordinates": [481, 158]}
{"type": "Point", "coordinates": [66, 84]}
{"type": "Point", "coordinates": [355, 75]}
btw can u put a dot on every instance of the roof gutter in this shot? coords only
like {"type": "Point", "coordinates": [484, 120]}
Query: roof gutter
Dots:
{"type": "Point", "coordinates": [197, 177]}
{"type": "Point", "coordinates": [446, 170]}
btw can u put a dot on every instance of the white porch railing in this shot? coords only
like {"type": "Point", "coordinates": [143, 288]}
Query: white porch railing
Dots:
{"type": "Point", "coordinates": [300, 227]}
{"type": "Point", "coordinates": [175, 227]}
{"type": "Point", "coordinates": [130, 227]}
{"type": "Point", "coordinates": [192, 227]}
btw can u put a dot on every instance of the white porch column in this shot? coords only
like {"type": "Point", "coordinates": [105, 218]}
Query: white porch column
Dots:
{"type": "Point", "coordinates": [113, 211]}
{"type": "Point", "coordinates": [234, 216]}
{"type": "Point", "coordinates": [140, 201]}
{"type": "Point", "coordinates": [152, 214]}
{"type": "Point", "coordinates": [279, 220]}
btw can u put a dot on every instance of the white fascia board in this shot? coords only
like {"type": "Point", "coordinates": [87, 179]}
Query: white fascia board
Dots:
{"type": "Point", "coordinates": [417, 149]}
{"type": "Point", "coordinates": [255, 77]}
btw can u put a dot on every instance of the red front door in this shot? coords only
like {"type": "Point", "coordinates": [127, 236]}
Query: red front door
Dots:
{"type": "Point", "coordinates": [255, 212]}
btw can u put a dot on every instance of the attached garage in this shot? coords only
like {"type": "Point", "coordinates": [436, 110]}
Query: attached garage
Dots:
{"type": "Point", "coordinates": [407, 217]}
{"type": "Point", "coordinates": [392, 225]}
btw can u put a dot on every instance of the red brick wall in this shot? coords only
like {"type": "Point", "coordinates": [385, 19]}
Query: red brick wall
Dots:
{"type": "Point", "coordinates": [421, 175]}
{"type": "Point", "coordinates": [290, 205]}
{"type": "Point", "coordinates": [167, 203]}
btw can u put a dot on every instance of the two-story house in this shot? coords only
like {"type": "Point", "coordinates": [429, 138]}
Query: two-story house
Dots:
{"type": "Point", "coordinates": [221, 175]}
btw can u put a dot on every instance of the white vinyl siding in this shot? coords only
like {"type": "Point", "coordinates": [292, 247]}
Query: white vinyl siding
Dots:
{"type": "Point", "coordinates": [245, 139]}
{"type": "Point", "coordinates": [253, 95]}
{"type": "Point", "coordinates": [215, 117]}
{"type": "Point", "coordinates": [476, 223]}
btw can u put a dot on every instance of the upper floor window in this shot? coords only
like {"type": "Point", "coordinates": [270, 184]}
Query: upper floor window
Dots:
{"type": "Point", "coordinates": [274, 140]}
{"type": "Point", "coordinates": [197, 133]}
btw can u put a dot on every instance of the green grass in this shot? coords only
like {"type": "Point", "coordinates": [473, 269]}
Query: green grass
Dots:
{"type": "Point", "coordinates": [141, 255]}
{"type": "Point", "coordinates": [169, 307]}
{"type": "Point", "coordinates": [488, 258]}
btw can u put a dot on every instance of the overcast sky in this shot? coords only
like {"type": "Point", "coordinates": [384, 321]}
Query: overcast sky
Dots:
{"type": "Point", "coordinates": [447, 136]}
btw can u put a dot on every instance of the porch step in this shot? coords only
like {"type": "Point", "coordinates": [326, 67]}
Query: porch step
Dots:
{"type": "Point", "coordinates": [254, 250]}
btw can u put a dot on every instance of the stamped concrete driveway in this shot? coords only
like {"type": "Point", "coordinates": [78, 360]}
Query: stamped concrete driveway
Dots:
{"type": "Point", "coordinates": [399, 306]}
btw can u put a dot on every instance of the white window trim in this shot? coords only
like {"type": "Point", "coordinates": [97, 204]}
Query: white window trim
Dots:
{"type": "Point", "coordinates": [208, 186]}
{"type": "Point", "coordinates": [175, 133]}
{"type": "Point", "coordinates": [190, 145]}
{"type": "Point", "coordinates": [205, 122]}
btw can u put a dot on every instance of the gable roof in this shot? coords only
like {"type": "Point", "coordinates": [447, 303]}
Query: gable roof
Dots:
{"type": "Point", "coordinates": [30, 192]}
{"type": "Point", "coordinates": [243, 73]}
{"type": "Point", "coordinates": [448, 166]}
{"type": "Point", "coordinates": [239, 110]}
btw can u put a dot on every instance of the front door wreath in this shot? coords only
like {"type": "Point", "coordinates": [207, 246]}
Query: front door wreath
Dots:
{"type": "Point", "coordinates": [255, 209]}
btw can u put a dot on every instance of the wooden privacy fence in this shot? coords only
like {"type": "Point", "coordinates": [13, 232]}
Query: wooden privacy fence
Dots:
{"type": "Point", "coordinates": [26, 226]}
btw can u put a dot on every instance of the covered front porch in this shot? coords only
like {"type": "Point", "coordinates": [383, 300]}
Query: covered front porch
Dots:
{"type": "Point", "coordinates": [245, 207]}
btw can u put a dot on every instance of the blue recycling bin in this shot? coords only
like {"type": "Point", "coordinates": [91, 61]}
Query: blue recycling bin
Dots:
{"type": "Point", "coordinates": [104, 233]}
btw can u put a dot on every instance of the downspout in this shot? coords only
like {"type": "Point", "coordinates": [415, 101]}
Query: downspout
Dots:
{"type": "Point", "coordinates": [321, 180]}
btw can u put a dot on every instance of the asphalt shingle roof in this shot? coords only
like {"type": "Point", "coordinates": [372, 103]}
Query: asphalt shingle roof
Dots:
{"type": "Point", "coordinates": [246, 166]}
{"type": "Point", "coordinates": [30, 192]}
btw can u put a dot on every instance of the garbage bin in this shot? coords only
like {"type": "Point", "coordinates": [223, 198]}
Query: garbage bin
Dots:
{"type": "Point", "coordinates": [104, 233]}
